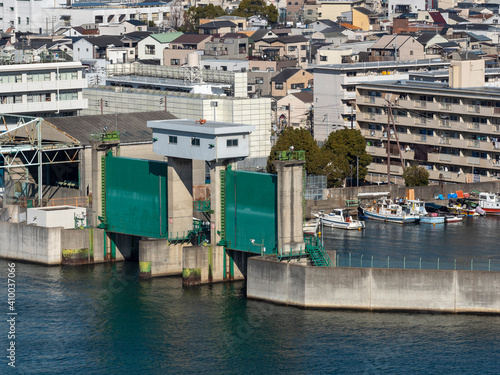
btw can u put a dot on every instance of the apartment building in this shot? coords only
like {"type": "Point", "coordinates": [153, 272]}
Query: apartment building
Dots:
{"type": "Point", "coordinates": [452, 129]}
{"type": "Point", "coordinates": [45, 90]}
{"type": "Point", "coordinates": [335, 88]}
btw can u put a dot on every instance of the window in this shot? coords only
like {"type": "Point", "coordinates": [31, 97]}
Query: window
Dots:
{"type": "Point", "coordinates": [302, 59]}
{"type": "Point", "coordinates": [296, 86]}
{"type": "Point", "coordinates": [175, 62]}
{"type": "Point", "coordinates": [224, 68]}
{"type": "Point", "coordinates": [278, 85]}
{"type": "Point", "coordinates": [303, 47]}
{"type": "Point", "coordinates": [27, 20]}
{"type": "Point", "coordinates": [47, 97]}
{"type": "Point", "coordinates": [292, 48]}
{"type": "Point", "coordinates": [172, 139]}
{"type": "Point", "coordinates": [232, 143]}
{"type": "Point", "coordinates": [150, 49]}
{"type": "Point", "coordinates": [18, 20]}
{"type": "Point", "coordinates": [323, 58]}
{"type": "Point", "coordinates": [259, 80]}
{"type": "Point", "coordinates": [195, 141]}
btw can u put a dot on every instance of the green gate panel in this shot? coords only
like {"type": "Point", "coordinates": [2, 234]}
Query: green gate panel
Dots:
{"type": "Point", "coordinates": [136, 196]}
{"type": "Point", "coordinates": [251, 211]}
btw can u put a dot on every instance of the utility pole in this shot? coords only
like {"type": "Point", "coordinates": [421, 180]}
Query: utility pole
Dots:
{"type": "Point", "coordinates": [390, 101]}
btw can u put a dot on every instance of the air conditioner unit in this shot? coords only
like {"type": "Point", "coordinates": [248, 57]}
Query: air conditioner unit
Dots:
{"type": "Point", "coordinates": [372, 133]}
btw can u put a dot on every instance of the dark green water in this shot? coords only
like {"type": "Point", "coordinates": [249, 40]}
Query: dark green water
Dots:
{"type": "Point", "coordinates": [102, 320]}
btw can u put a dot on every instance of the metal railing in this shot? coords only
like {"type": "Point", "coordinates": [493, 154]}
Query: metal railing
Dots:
{"type": "Point", "coordinates": [402, 262]}
{"type": "Point", "coordinates": [71, 201]}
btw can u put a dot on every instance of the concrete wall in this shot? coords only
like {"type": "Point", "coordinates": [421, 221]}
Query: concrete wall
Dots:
{"type": "Point", "coordinates": [158, 258]}
{"type": "Point", "coordinates": [337, 197]}
{"type": "Point", "coordinates": [50, 246]}
{"type": "Point", "coordinates": [205, 264]}
{"type": "Point", "coordinates": [372, 288]}
{"type": "Point", "coordinates": [30, 243]}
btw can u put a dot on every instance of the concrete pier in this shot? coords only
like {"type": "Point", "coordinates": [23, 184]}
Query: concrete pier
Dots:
{"type": "Point", "coordinates": [51, 246]}
{"type": "Point", "coordinates": [373, 289]}
{"type": "Point", "coordinates": [180, 196]}
{"type": "Point", "coordinates": [159, 258]}
{"type": "Point", "coordinates": [290, 204]}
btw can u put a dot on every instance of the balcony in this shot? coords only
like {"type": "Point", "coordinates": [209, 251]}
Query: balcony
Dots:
{"type": "Point", "coordinates": [445, 157]}
{"type": "Point", "coordinates": [420, 138]}
{"type": "Point", "coordinates": [445, 141]}
{"type": "Point", "coordinates": [473, 108]}
{"type": "Point", "coordinates": [445, 123]}
{"type": "Point", "coordinates": [474, 143]}
{"type": "Point", "coordinates": [369, 116]}
{"type": "Point", "coordinates": [473, 160]}
{"type": "Point", "coordinates": [420, 121]}
{"type": "Point", "coordinates": [445, 106]}
{"type": "Point", "coordinates": [473, 125]}
{"type": "Point", "coordinates": [420, 104]}
{"type": "Point", "coordinates": [369, 99]}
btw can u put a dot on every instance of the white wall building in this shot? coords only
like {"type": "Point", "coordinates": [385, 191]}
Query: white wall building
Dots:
{"type": "Point", "coordinates": [335, 89]}
{"type": "Point", "coordinates": [47, 16]}
{"type": "Point", "coordinates": [397, 7]}
{"type": "Point", "coordinates": [50, 89]}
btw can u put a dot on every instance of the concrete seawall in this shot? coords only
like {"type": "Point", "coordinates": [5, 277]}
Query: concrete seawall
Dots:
{"type": "Point", "coordinates": [373, 289]}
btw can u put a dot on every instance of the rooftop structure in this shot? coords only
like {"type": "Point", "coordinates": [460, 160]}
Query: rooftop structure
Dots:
{"type": "Point", "coordinates": [201, 139]}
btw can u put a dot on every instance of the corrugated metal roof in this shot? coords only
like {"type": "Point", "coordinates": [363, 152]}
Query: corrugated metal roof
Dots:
{"type": "Point", "coordinates": [132, 126]}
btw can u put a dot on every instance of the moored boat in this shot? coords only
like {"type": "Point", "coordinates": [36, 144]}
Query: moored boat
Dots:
{"type": "Point", "coordinates": [490, 203]}
{"type": "Point", "coordinates": [385, 210]}
{"type": "Point", "coordinates": [340, 218]}
{"type": "Point", "coordinates": [432, 218]}
{"type": "Point", "coordinates": [311, 227]}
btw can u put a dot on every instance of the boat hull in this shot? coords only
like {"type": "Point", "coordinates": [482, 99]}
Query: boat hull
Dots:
{"type": "Point", "coordinates": [432, 220]}
{"type": "Point", "coordinates": [352, 225]}
{"type": "Point", "coordinates": [389, 218]}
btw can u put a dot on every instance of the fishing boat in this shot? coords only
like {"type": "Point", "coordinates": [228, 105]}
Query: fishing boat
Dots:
{"type": "Point", "coordinates": [418, 207]}
{"type": "Point", "coordinates": [310, 227]}
{"type": "Point", "coordinates": [453, 218]}
{"type": "Point", "coordinates": [340, 218]}
{"type": "Point", "coordinates": [466, 207]}
{"type": "Point", "coordinates": [490, 203]}
{"type": "Point", "coordinates": [432, 218]}
{"type": "Point", "coordinates": [385, 210]}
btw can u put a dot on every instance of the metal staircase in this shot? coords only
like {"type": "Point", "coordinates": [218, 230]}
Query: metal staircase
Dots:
{"type": "Point", "coordinates": [316, 252]}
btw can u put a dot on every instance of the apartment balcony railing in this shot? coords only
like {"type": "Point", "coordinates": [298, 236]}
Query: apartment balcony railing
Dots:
{"type": "Point", "coordinates": [474, 108]}
{"type": "Point", "coordinates": [474, 143]}
{"type": "Point", "coordinates": [420, 103]}
{"type": "Point", "coordinates": [445, 106]}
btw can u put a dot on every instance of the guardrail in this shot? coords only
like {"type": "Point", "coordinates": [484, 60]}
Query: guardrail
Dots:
{"type": "Point", "coordinates": [402, 262]}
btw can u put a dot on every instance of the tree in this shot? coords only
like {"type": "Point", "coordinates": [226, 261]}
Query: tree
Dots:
{"type": "Point", "coordinates": [416, 176]}
{"type": "Point", "coordinates": [249, 8]}
{"type": "Point", "coordinates": [151, 24]}
{"type": "Point", "coordinates": [345, 150]}
{"type": "Point", "coordinates": [194, 14]}
{"type": "Point", "coordinates": [300, 139]}
{"type": "Point", "coordinates": [176, 19]}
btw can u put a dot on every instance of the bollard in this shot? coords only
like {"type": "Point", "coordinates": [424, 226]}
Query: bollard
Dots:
{"type": "Point", "coordinates": [404, 263]}
{"type": "Point", "coordinates": [361, 262]}
{"type": "Point", "coordinates": [438, 263]}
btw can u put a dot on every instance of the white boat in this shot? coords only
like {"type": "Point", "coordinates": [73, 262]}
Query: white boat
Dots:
{"type": "Point", "coordinates": [340, 218]}
{"type": "Point", "coordinates": [432, 219]}
{"type": "Point", "coordinates": [453, 218]}
{"type": "Point", "coordinates": [490, 203]}
{"type": "Point", "coordinates": [310, 227]}
{"type": "Point", "coordinates": [386, 210]}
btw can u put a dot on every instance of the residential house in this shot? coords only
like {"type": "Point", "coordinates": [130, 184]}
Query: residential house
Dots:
{"type": "Point", "coordinates": [181, 47]}
{"type": "Point", "coordinates": [217, 27]}
{"type": "Point", "coordinates": [94, 48]}
{"type": "Point", "coordinates": [259, 82]}
{"type": "Point", "coordinates": [229, 46]}
{"type": "Point", "coordinates": [290, 80]}
{"type": "Point", "coordinates": [256, 22]}
{"type": "Point", "coordinates": [118, 55]}
{"type": "Point", "coordinates": [397, 48]}
{"type": "Point", "coordinates": [289, 47]}
{"type": "Point", "coordinates": [431, 42]}
{"type": "Point", "coordinates": [333, 10]}
{"type": "Point", "coordinates": [295, 109]}
{"type": "Point", "coordinates": [241, 22]}
{"type": "Point", "coordinates": [151, 47]}
{"type": "Point", "coordinates": [333, 55]}
{"type": "Point", "coordinates": [365, 19]}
